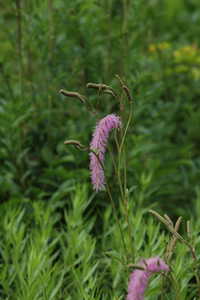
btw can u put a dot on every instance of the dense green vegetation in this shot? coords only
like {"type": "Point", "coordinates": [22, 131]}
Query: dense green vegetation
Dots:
{"type": "Point", "coordinates": [59, 239]}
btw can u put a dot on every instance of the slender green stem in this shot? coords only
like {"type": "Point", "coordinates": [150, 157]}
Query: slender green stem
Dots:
{"type": "Point", "coordinates": [18, 4]}
{"type": "Point", "coordinates": [112, 203]}
{"type": "Point", "coordinates": [123, 188]}
{"type": "Point", "coordinates": [113, 160]}
{"type": "Point", "coordinates": [126, 128]}
{"type": "Point", "coordinates": [125, 172]}
{"type": "Point", "coordinates": [50, 28]}
{"type": "Point", "coordinates": [117, 218]}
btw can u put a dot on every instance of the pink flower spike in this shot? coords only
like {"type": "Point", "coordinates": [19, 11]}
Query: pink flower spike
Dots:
{"type": "Point", "coordinates": [98, 145]}
{"type": "Point", "coordinates": [139, 278]}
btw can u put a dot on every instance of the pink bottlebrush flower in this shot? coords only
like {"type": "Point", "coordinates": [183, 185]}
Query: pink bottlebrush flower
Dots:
{"type": "Point", "coordinates": [139, 278]}
{"type": "Point", "coordinates": [98, 144]}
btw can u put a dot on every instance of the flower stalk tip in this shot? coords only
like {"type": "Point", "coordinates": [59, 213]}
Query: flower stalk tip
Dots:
{"type": "Point", "coordinates": [98, 148]}
{"type": "Point", "coordinates": [139, 278]}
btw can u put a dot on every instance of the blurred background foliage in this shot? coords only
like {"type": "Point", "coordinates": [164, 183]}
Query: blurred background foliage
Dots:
{"type": "Point", "coordinates": [48, 45]}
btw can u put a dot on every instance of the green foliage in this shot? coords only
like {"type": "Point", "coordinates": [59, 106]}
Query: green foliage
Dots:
{"type": "Point", "coordinates": [50, 252]}
{"type": "Point", "coordinates": [56, 242]}
{"type": "Point", "coordinates": [56, 45]}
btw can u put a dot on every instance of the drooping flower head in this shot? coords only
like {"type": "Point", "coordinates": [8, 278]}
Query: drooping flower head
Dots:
{"type": "Point", "coordinates": [98, 145]}
{"type": "Point", "coordinates": [139, 278]}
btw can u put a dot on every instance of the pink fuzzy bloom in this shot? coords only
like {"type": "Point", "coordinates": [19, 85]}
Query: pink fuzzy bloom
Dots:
{"type": "Point", "coordinates": [139, 278]}
{"type": "Point", "coordinates": [98, 144]}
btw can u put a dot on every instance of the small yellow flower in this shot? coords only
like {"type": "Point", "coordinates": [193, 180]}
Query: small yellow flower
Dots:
{"type": "Point", "coordinates": [164, 45]}
{"type": "Point", "coordinates": [159, 46]}
{"type": "Point", "coordinates": [187, 54]}
{"type": "Point", "coordinates": [152, 48]}
{"type": "Point", "coordinates": [177, 53]}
